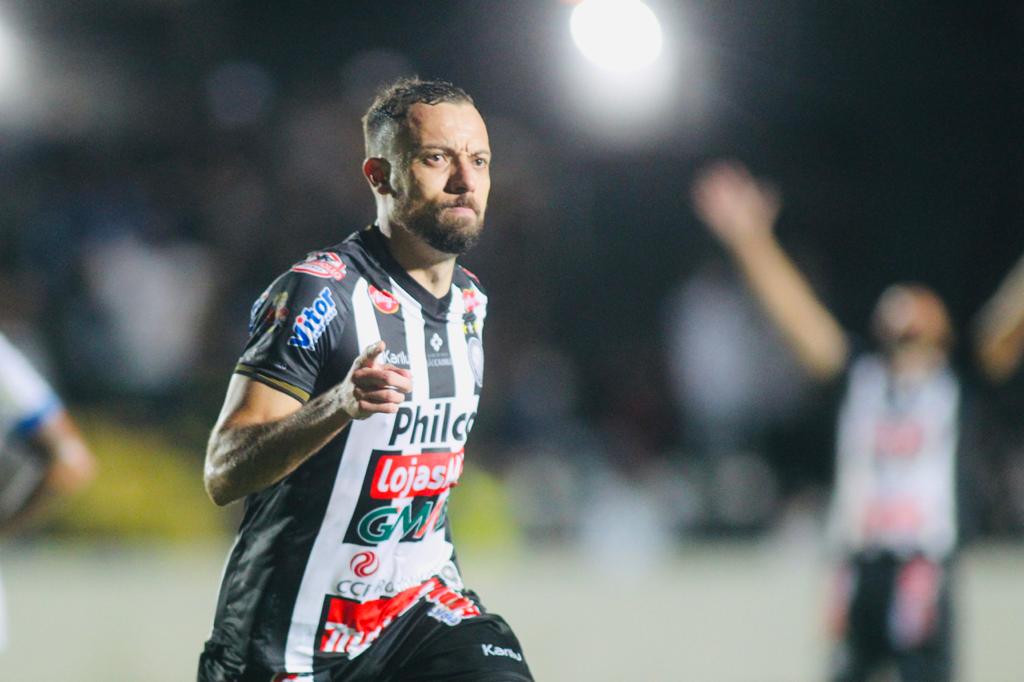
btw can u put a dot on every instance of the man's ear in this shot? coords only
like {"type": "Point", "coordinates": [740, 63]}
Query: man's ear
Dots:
{"type": "Point", "coordinates": [378, 173]}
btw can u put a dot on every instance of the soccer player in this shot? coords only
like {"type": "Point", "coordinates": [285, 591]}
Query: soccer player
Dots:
{"type": "Point", "coordinates": [344, 429]}
{"type": "Point", "coordinates": [894, 508]}
{"type": "Point", "coordinates": [42, 454]}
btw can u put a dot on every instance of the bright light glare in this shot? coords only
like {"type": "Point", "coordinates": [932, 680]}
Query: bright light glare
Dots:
{"type": "Point", "coordinates": [622, 36]}
{"type": "Point", "coordinates": [9, 58]}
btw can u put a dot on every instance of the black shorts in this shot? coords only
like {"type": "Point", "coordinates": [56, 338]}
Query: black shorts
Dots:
{"type": "Point", "coordinates": [417, 647]}
{"type": "Point", "coordinates": [894, 611]}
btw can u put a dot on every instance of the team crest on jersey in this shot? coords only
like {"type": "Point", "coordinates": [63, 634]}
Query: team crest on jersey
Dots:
{"type": "Point", "coordinates": [312, 322]}
{"type": "Point", "coordinates": [324, 264]}
{"type": "Point", "coordinates": [276, 312]}
{"type": "Point", "coordinates": [383, 301]}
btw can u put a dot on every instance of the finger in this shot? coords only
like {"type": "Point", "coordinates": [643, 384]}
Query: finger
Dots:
{"type": "Point", "coordinates": [399, 370]}
{"type": "Point", "coordinates": [379, 396]}
{"type": "Point", "coordinates": [369, 378]}
{"type": "Point", "coordinates": [368, 408]}
{"type": "Point", "coordinates": [368, 358]}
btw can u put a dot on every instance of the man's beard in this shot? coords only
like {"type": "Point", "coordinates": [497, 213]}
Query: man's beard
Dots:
{"type": "Point", "coordinates": [444, 233]}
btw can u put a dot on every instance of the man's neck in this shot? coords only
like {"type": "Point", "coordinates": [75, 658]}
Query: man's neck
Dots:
{"type": "Point", "coordinates": [430, 268]}
{"type": "Point", "coordinates": [916, 363]}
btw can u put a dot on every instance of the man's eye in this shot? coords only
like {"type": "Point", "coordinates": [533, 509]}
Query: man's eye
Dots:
{"type": "Point", "coordinates": [435, 158]}
{"type": "Point", "coordinates": [481, 162]}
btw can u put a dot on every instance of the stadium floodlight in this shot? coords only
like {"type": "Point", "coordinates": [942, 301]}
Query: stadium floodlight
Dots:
{"type": "Point", "coordinates": [9, 58]}
{"type": "Point", "coordinates": [621, 36]}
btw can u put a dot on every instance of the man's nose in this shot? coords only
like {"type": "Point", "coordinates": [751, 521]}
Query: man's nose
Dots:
{"type": "Point", "coordinates": [463, 177]}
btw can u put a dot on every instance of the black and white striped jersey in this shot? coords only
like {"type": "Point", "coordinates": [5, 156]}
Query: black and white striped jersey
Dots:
{"type": "Point", "coordinates": [329, 556]}
{"type": "Point", "coordinates": [896, 462]}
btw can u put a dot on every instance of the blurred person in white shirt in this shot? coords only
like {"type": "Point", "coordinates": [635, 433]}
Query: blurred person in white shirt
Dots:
{"type": "Point", "coordinates": [895, 517]}
{"type": "Point", "coordinates": [42, 454]}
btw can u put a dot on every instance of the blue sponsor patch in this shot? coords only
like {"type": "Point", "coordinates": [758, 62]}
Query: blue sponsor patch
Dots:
{"type": "Point", "coordinates": [312, 322]}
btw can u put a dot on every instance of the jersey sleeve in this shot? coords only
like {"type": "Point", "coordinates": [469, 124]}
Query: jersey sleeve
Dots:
{"type": "Point", "coordinates": [26, 399]}
{"type": "Point", "coordinates": [293, 328]}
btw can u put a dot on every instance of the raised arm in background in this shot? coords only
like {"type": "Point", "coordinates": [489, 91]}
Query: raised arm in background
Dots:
{"type": "Point", "coordinates": [741, 213]}
{"type": "Point", "coordinates": [999, 332]}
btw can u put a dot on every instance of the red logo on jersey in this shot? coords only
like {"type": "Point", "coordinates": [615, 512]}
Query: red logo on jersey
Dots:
{"type": "Point", "coordinates": [364, 564]}
{"type": "Point", "coordinates": [383, 301]}
{"type": "Point", "coordinates": [283, 677]}
{"type": "Point", "coordinates": [469, 300]}
{"type": "Point", "coordinates": [325, 264]}
{"type": "Point", "coordinates": [350, 626]}
{"type": "Point", "coordinates": [424, 475]}
{"type": "Point", "coordinates": [451, 606]}
{"type": "Point", "coordinates": [898, 438]}
{"type": "Point", "coordinates": [900, 515]}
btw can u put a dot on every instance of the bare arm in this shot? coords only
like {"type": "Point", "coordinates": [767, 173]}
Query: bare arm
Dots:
{"type": "Point", "coordinates": [999, 338]}
{"type": "Point", "coordinates": [262, 435]}
{"type": "Point", "coordinates": [70, 466]}
{"type": "Point", "coordinates": [741, 213]}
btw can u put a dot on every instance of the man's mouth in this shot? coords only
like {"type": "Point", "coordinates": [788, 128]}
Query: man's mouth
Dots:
{"type": "Point", "coordinates": [460, 208]}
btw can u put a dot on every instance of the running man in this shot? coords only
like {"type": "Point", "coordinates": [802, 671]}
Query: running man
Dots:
{"type": "Point", "coordinates": [894, 507]}
{"type": "Point", "coordinates": [345, 424]}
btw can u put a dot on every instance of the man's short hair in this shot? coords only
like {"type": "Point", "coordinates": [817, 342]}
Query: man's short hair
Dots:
{"type": "Point", "coordinates": [390, 108]}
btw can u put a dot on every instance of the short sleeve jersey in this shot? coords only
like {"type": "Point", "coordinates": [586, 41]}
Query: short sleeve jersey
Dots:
{"type": "Point", "coordinates": [26, 399]}
{"type": "Point", "coordinates": [329, 556]}
{"type": "Point", "coordinates": [26, 402]}
{"type": "Point", "coordinates": [896, 462]}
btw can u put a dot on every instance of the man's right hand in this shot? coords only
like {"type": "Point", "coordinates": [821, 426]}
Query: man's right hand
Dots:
{"type": "Point", "coordinates": [370, 388]}
{"type": "Point", "coordinates": [735, 206]}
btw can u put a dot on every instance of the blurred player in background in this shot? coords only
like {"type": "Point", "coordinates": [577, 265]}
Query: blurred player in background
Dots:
{"type": "Point", "coordinates": [894, 511]}
{"type": "Point", "coordinates": [344, 429]}
{"type": "Point", "coordinates": [42, 455]}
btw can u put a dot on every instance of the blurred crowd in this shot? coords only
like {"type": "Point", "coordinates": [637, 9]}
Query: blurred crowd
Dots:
{"type": "Point", "coordinates": [616, 416]}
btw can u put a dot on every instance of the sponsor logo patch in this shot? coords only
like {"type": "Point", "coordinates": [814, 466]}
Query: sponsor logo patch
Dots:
{"type": "Point", "coordinates": [364, 564]}
{"type": "Point", "coordinates": [469, 300]}
{"type": "Point", "coordinates": [361, 590]}
{"type": "Point", "coordinates": [312, 322]}
{"type": "Point", "coordinates": [505, 652]}
{"type": "Point", "coordinates": [324, 264]}
{"type": "Point", "coordinates": [349, 627]}
{"type": "Point", "coordinates": [383, 301]}
{"type": "Point", "coordinates": [425, 475]}
{"type": "Point", "coordinates": [420, 426]}
{"type": "Point", "coordinates": [410, 522]}
{"type": "Point", "coordinates": [451, 607]}
{"type": "Point", "coordinates": [898, 438]}
{"type": "Point", "coordinates": [399, 359]}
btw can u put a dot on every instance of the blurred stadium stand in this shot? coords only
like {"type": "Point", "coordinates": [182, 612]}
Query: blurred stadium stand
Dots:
{"type": "Point", "coordinates": [162, 161]}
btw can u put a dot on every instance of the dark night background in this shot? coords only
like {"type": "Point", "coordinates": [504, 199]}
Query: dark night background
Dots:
{"type": "Point", "coordinates": [892, 130]}
{"type": "Point", "coordinates": [161, 161]}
